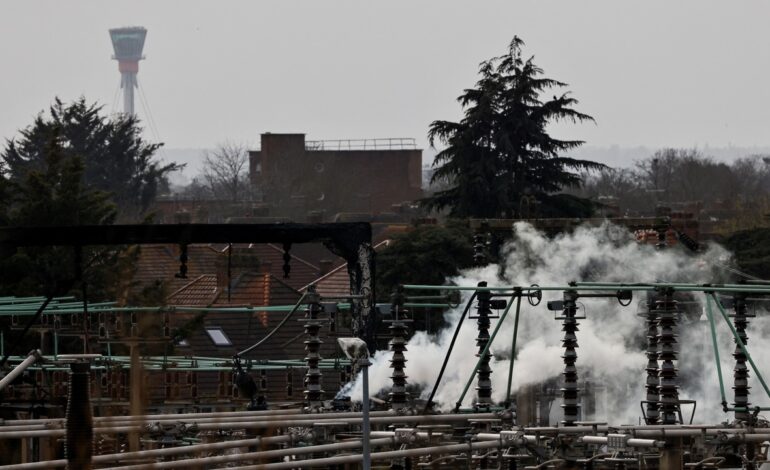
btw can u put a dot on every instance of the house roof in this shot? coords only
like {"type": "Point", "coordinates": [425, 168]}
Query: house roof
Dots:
{"type": "Point", "coordinates": [271, 256]}
{"type": "Point", "coordinates": [200, 291]}
{"type": "Point", "coordinates": [161, 263]}
{"type": "Point", "coordinates": [337, 281]}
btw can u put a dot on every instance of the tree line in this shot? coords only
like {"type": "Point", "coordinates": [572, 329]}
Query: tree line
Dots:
{"type": "Point", "coordinates": [684, 178]}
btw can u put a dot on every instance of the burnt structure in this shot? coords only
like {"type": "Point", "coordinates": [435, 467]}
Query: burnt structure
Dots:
{"type": "Point", "coordinates": [351, 241]}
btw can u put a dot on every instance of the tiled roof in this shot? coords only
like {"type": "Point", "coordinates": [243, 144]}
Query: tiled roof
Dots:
{"type": "Point", "coordinates": [337, 281]}
{"type": "Point", "coordinates": [161, 263]}
{"type": "Point", "coordinates": [271, 256]}
{"type": "Point", "coordinates": [201, 291]}
{"type": "Point", "coordinates": [334, 283]}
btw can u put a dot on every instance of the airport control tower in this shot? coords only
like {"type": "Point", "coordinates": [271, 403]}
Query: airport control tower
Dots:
{"type": "Point", "coordinates": [128, 44]}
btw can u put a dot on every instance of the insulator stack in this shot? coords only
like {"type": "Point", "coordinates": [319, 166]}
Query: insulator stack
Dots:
{"type": "Point", "coordinates": [668, 389]}
{"type": "Point", "coordinates": [479, 249]}
{"type": "Point", "coordinates": [569, 392]}
{"type": "Point", "coordinates": [313, 392]}
{"type": "Point", "coordinates": [398, 332]}
{"type": "Point", "coordinates": [483, 310]}
{"type": "Point", "coordinates": [80, 430]}
{"type": "Point", "coordinates": [653, 381]}
{"type": "Point", "coordinates": [741, 371]}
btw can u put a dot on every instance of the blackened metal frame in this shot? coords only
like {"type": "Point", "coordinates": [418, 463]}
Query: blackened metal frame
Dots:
{"type": "Point", "coordinates": [351, 241]}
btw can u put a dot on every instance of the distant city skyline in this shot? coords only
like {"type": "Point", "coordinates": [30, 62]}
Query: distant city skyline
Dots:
{"type": "Point", "coordinates": [658, 74]}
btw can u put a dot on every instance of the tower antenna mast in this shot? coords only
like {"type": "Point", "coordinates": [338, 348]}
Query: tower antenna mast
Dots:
{"type": "Point", "coordinates": [128, 44]}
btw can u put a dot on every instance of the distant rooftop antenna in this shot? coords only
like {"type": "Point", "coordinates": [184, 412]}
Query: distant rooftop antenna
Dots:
{"type": "Point", "coordinates": [128, 44]}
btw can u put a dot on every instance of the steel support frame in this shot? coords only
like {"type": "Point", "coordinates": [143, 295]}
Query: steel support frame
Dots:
{"type": "Point", "coordinates": [351, 241]}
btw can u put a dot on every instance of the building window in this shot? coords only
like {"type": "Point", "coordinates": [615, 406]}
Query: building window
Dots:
{"type": "Point", "coordinates": [218, 336]}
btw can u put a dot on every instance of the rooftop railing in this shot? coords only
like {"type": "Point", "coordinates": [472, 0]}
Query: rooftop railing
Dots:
{"type": "Point", "coordinates": [389, 143]}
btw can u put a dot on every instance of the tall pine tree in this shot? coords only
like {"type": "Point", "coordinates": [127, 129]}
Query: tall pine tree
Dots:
{"type": "Point", "coordinates": [499, 160]}
{"type": "Point", "coordinates": [115, 157]}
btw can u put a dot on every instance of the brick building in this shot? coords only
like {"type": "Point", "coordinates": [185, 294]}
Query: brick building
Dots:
{"type": "Point", "coordinates": [308, 180]}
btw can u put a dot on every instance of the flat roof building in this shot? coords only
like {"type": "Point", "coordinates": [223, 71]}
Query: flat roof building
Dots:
{"type": "Point", "coordinates": [303, 179]}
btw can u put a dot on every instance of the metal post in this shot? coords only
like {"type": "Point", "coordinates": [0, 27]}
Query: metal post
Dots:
{"type": "Point", "coordinates": [569, 392]}
{"type": "Point", "coordinates": [80, 431]}
{"type": "Point", "coordinates": [365, 427]}
{"type": "Point", "coordinates": [508, 398]}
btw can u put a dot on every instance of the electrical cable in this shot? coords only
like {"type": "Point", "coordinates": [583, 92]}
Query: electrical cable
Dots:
{"type": "Point", "coordinates": [150, 118]}
{"type": "Point", "coordinates": [429, 403]}
{"type": "Point", "coordinates": [277, 327]}
{"type": "Point", "coordinates": [114, 107]}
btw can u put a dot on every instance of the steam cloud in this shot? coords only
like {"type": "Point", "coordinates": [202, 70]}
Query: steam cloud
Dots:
{"type": "Point", "coordinates": [611, 339]}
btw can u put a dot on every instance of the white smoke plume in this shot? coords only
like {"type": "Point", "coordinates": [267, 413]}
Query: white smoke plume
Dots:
{"type": "Point", "coordinates": [611, 339]}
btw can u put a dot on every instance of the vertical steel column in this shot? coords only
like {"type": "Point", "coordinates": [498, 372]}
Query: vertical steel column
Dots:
{"type": "Point", "coordinates": [668, 389]}
{"type": "Point", "coordinates": [569, 392]}
{"type": "Point", "coordinates": [741, 371]}
{"type": "Point", "coordinates": [653, 381]}
{"type": "Point", "coordinates": [483, 310]}
{"type": "Point", "coordinates": [80, 430]}
{"type": "Point", "coordinates": [398, 332]}
{"type": "Point", "coordinates": [313, 391]}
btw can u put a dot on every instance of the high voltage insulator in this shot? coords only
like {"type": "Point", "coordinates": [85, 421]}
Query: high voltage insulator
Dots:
{"type": "Point", "coordinates": [483, 311]}
{"type": "Point", "coordinates": [569, 392]}
{"type": "Point", "coordinates": [80, 431]}
{"type": "Point", "coordinates": [479, 249]}
{"type": "Point", "coordinates": [741, 371]}
{"type": "Point", "coordinates": [313, 391]}
{"type": "Point", "coordinates": [398, 331]}
{"type": "Point", "coordinates": [668, 389]}
{"type": "Point", "coordinates": [653, 381]}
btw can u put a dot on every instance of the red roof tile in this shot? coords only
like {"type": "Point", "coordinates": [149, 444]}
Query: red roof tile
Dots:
{"type": "Point", "coordinates": [201, 291]}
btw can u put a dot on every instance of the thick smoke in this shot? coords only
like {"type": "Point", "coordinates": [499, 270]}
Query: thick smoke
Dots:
{"type": "Point", "coordinates": [611, 339]}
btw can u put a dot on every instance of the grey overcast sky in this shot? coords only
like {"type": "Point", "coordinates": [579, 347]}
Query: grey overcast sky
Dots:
{"type": "Point", "coordinates": [655, 73]}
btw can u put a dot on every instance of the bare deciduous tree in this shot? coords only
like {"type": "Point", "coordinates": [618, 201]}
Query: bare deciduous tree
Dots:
{"type": "Point", "coordinates": [225, 172]}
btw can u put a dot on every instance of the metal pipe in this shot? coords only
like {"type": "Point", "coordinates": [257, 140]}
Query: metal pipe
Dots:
{"type": "Point", "coordinates": [429, 403]}
{"type": "Point", "coordinates": [582, 287]}
{"type": "Point", "coordinates": [487, 436]}
{"type": "Point", "coordinates": [483, 353]}
{"type": "Point", "coordinates": [394, 454]}
{"type": "Point", "coordinates": [421, 419]}
{"type": "Point", "coordinates": [275, 414]}
{"type": "Point", "coordinates": [365, 427]}
{"type": "Point", "coordinates": [508, 398]}
{"type": "Point", "coordinates": [208, 462]}
{"type": "Point", "coordinates": [715, 343]}
{"type": "Point", "coordinates": [32, 358]}
{"type": "Point", "coordinates": [234, 417]}
{"type": "Point", "coordinates": [156, 453]}
{"type": "Point", "coordinates": [631, 442]}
